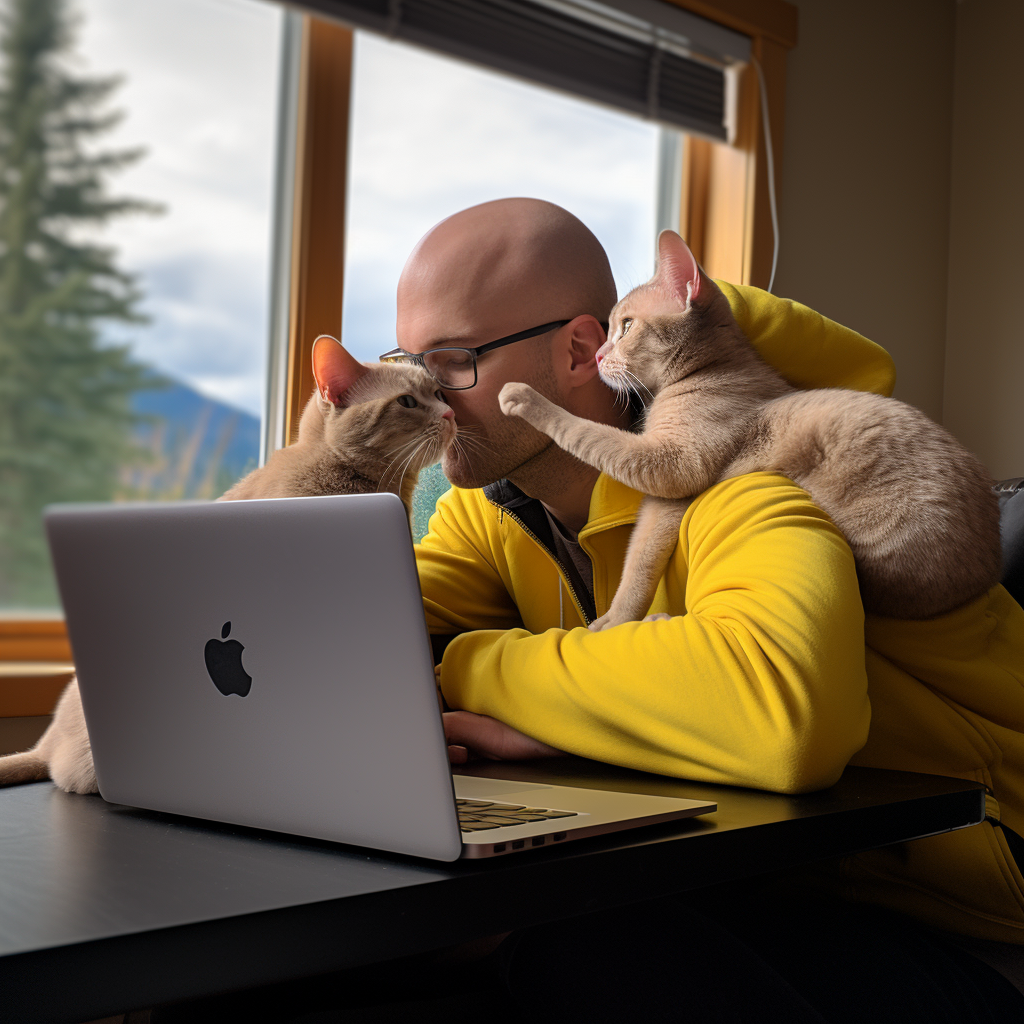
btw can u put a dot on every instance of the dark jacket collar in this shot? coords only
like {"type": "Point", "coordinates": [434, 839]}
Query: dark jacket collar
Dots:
{"type": "Point", "coordinates": [530, 512]}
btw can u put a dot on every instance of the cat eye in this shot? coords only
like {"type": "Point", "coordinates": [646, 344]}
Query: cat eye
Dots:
{"type": "Point", "coordinates": [455, 368]}
{"type": "Point", "coordinates": [407, 400]}
{"type": "Point", "coordinates": [626, 324]}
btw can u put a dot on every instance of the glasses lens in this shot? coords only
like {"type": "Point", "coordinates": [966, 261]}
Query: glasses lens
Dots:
{"type": "Point", "coordinates": [451, 367]}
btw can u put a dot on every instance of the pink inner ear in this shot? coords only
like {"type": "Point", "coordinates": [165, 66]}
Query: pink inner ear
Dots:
{"type": "Point", "coordinates": [677, 269]}
{"type": "Point", "coordinates": [334, 369]}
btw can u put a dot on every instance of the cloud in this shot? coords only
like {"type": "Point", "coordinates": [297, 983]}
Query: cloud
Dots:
{"type": "Point", "coordinates": [200, 94]}
{"type": "Point", "coordinates": [429, 136]}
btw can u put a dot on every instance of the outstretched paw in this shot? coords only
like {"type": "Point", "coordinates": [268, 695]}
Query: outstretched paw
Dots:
{"type": "Point", "coordinates": [517, 399]}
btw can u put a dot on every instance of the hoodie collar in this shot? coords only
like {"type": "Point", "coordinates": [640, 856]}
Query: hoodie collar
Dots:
{"type": "Point", "coordinates": [611, 504]}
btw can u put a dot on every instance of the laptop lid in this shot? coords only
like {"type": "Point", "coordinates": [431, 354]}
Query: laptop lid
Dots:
{"type": "Point", "coordinates": [264, 663]}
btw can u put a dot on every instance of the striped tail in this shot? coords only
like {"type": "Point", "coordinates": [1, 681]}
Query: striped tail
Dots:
{"type": "Point", "coordinates": [18, 768]}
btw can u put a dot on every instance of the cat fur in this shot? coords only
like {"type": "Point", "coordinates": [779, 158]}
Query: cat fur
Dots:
{"type": "Point", "coordinates": [354, 438]}
{"type": "Point", "coordinates": [916, 507]}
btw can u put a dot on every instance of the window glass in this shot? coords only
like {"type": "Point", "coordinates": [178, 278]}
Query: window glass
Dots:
{"type": "Point", "coordinates": [139, 371]}
{"type": "Point", "coordinates": [431, 135]}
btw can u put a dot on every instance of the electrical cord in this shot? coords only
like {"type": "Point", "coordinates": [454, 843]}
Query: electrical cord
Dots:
{"type": "Point", "coordinates": [771, 168]}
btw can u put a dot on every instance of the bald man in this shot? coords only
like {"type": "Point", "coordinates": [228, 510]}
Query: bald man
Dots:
{"type": "Point", "coordinates": [493, 271]}
{"type": "Point", "coordinates": [757, 668]}
{"type": "Point", "coordinates": [486, 274]}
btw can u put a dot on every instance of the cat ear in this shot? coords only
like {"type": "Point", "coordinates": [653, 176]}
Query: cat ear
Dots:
{"type": "Point", "coordinates": [334, 370]}
{"type": "Point", "coordinates": [677, 269]}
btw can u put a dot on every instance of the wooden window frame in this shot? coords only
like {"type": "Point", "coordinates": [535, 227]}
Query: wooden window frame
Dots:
{"type": "Point", "coordinates": [35, 665]}
{"type": "Point", "coordinates": [724, 214]}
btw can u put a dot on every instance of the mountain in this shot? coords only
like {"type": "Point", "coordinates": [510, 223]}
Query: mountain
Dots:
{"type": "Point", "coordinates": [196, 446]}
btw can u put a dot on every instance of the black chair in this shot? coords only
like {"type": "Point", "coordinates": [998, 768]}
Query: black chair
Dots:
{"type": "Point", "coordinates": [1011, 528]}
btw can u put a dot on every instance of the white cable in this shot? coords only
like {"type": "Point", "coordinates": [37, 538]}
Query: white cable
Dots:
{"type": "Point", "coordinates": [771, 167]}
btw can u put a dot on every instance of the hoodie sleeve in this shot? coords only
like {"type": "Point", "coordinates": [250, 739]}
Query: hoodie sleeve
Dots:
{"type": "Point", "coordinates": [808, 349]}
{"type": "Point", "coordinates": [758, 679]}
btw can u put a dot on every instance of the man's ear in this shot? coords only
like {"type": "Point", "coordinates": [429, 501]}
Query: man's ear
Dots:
{"type": "Point", "coordinates": [334, 370]}
{"type": "Point", "coordinates": [587, 337]}
{"type": "Point", "coordinates": [677, 271]}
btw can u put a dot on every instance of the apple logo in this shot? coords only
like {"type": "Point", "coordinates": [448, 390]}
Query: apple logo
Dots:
{"type": "Point", "coordinates": [224, 663]}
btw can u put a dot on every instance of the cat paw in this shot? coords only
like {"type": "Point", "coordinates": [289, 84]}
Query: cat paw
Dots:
{"type": "Point", "coordinates": [616, 618]}
{"type": "Point", "coordinates": [517, 399]}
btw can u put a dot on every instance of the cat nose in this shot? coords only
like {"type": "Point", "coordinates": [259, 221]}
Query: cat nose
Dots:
{"type": "Point", "coordinates": [448, 415]}
{"type": "Point", "coordinates": [599, 358]}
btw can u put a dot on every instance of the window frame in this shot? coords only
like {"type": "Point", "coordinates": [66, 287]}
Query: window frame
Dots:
{"type": "Point", "coordinates": [724, 187]}
{"type": "Point", "coordinates": [724, 214]}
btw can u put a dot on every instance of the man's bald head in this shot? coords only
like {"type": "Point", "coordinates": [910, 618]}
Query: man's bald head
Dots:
{"type": "Point", "coordinates": [495, 270]}
{"type": "Point", "coordinates": [500, 267]}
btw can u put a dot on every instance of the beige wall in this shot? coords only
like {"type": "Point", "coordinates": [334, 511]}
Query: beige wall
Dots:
{"type": "Point", "coordinates": [902, 203]}
{"type": "Point", "coordinates": [865, 194]}
{"type": "Point", "coordinates": [984, 380]}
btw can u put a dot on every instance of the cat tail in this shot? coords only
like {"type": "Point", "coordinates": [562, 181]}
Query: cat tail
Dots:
{"type": "Point", "coordinates": [18, 768]}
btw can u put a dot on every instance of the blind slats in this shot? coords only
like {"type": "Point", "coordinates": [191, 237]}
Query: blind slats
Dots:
{"type": "Point", "coordinates": [545, 43]}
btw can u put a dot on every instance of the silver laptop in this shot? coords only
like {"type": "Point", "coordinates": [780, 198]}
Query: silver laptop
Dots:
{"type": "Point", "coordinates": [266, 663]}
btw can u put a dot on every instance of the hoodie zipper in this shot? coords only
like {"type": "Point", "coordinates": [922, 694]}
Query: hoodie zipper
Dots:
{"type": "Point", "coordinates": [558, 565]}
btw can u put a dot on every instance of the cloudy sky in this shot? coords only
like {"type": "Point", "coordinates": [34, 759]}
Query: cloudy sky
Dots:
{"type": "Point", "coordinates": [429, 137]}
{"type": "Point", "coordinates": [200, 93]}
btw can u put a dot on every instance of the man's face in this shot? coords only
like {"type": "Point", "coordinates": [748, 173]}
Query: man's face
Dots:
{"type": "Point", "coordinates": [490, 445]}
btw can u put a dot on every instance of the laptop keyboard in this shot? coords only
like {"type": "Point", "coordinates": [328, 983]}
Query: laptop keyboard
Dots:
{"type": "Point", "coordinates": [479, 815]}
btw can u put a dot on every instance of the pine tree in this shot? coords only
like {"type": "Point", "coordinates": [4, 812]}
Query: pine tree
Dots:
{"type": "Point", "coordinates": [65, 416]}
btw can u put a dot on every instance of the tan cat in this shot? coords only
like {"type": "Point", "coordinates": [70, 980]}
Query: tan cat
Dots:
{"type": "Point", "coordinates": [368, 427]}
{"type": "Point", "coordinates": [916, 507]}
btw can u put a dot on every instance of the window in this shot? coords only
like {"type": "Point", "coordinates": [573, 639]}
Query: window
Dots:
{"type": "Point", "coordinates": [722, 189]}
{"type": "Point", "coordinates": [430, 135]}
{"type": "Point", "coordinates": [164, 397]}
{"type": "Point", "coordinates": [722, 208]}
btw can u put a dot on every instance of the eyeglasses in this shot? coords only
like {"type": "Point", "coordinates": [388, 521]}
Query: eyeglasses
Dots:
{"type": "Point", "coordinates": [455, 368]}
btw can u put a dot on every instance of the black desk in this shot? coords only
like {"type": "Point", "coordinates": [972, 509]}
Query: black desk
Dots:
{"type": "Point", "coordinates": [105, 909]}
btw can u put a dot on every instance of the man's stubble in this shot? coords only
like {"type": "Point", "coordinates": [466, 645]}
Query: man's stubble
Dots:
{"type": "Point", "coordinates": [508, 446]}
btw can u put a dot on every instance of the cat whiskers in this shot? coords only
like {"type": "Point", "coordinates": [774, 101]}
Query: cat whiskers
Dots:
{"type": "Point", "coordinates": [636, 380]}
{"type": "Point", "coordinates": [404, 444]}
{"type": "Point", "coordinates": [466, 438]}
{"type": "Point", "coordinates": [430, 440]}
{"type": "Point", "coordinates": [621, 388]}
{"type": "Point", "coordinates": [432, 436]}
{"type": "Point", "coordinates": [405, 465]}
{"type": "Point", "coordinates": [465, 443]}
{"type": "Point", "coordinates": [459, 447]}
{"type": "Point", "coordinates": [418, 442]}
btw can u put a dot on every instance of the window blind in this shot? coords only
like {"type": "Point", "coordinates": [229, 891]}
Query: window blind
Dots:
{"type": "Point", "coordinates": [644, 56]}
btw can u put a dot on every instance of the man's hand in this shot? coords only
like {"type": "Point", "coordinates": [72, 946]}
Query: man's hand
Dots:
{"type": "Point", "coordinates": [470, 736]}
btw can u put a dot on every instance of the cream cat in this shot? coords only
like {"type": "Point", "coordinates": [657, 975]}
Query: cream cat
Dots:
{"type": "Point", "coordinates": [368, 427]}
{"type": "Point", "coordinates": [916, 507]}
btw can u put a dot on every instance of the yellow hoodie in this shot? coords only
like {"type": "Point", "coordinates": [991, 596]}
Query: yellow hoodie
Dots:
{"type": "Point", "coordinates": [768, 674]}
